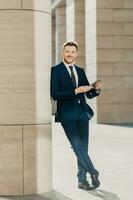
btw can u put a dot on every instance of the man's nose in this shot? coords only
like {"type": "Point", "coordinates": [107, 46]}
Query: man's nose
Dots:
{"type": "Point", "coordinates": [70, 54]}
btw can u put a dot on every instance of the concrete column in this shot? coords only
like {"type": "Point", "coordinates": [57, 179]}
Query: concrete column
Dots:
{"type": "Point", "coordinates": [25, 108]}
{"type": "Point", "coordinates": [53, 39]}
{"type": "Point", "coordinates": [91, 48]}
{"type": "Point", "coordinates": [60, 33]}
{"type": "Point", "coordinates": [75, 24]}
{"type": "Point", "coordinates": [115, 60]}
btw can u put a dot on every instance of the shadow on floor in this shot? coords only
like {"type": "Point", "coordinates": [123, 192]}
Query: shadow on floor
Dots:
{"type": "Point", "coordinates": [53, 195]}
{"type": "Point", "coordinates": [102, 194]}
{"type": "Point", "coordinates": [123, 125]}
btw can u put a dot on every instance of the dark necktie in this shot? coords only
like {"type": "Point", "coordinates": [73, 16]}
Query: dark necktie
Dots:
{"type": "Point", "coordinates": [73, 76]}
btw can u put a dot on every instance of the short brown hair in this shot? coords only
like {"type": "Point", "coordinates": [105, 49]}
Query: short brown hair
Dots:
{"type": "Point", "coordinates": [70, 44]}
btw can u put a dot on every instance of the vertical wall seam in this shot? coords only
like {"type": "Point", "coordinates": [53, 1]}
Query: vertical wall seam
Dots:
{"type": "Point", "coordinates": [22, 162]}
{"type": "Point", "coordinates": [21, 4]}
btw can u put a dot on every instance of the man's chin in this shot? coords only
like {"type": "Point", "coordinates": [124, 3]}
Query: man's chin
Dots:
{"type": "Point", "coordinates": [69, 61]}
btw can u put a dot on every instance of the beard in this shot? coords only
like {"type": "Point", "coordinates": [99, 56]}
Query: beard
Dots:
{"type": "Point", "coordinates": [69, 62]}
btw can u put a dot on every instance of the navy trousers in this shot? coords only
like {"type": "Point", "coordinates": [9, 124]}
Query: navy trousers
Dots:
{"type": "Point", "coordinates": [78, 135]}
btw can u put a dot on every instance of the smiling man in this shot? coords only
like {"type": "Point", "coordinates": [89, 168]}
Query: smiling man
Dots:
{"type": "Point", "coordinates": [69, 86]}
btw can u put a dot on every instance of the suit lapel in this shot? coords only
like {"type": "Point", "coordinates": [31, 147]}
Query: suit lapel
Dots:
{"type": "Point", "coordinates": [66, 74]}
{"type": "Point", "coordinates": [79, 76]}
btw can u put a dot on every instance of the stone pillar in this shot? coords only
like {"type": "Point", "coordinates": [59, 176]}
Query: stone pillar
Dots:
{"type": "Point", "coordinates": [60, 33]}
{"type": "Point", "coordinates": [53, 39]}
{"type": "Point", "coordinates": [75, 26]}
{"type": "Point", "coordinates": [25, 108]}
{"type": "Point", "coordinates": [115, 60]}
{"type": "Point", "coordinates": [91, 48]}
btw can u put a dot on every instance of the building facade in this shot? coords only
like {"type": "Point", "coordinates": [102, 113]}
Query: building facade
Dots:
{"type": "Point", "coordinates": [104, 31]}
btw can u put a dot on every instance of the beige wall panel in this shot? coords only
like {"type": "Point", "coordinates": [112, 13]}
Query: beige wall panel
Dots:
{"type": "Point", "coordinates": [109, 28]}
{"type": "Point", "coordinates": [37, 159]}
{"type": "Point", "coordinates": [42, 5]}
{"type": "Point", "coordinates": [112, 83]}
{"type": "Point", "coordinates": [116, 96]}
{"type": "Point", "coordinates": [80, 29]}
{"type": "Point", "coordinates": [123, 69]}
{"type": "Point", "coordinates": [105, 69]}
{"type": "Point", "coordinates": [117, 82]}
{"type": "Point", "coordinates": [104, 42]}
{"type": "Point", "coordinates": [128, 82]}
{"type": "Point", "coordinates": [10, 4]}
{"type": "Point", "coordinates": [80, 61]}
{"type": "Point", "coordinates": [124, 42]}
{"type": "Point", "coordinates": [128, 28]}
{"type": "Point", "coordinates": [128, 56]}
{"type": "Point", "coordinates": [25, 60]}
{"type": "Point", "coordinates": [80, 6]}
{"type": "Point", "coordinates": [109, 55]}
{"type": "Point", "coordinates": [115, 113]}
{"type": "Point", "coordinates": [123, 15]}
{"type": "Point", "coordinates": [11, 171]}
{"type": "Point", "coordinates": [81, 41]}
{"type": "Point", "coordinates": [104, 15]}
{"type": "Point", "coordinates": [80, 18]}
{"type": "Point", "coordinates": [109, 3]}
{"type": "Point", "coordinates": [128, 4]}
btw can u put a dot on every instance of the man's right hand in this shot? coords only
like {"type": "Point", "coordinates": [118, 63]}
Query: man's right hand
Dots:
{"type": "Point", "coordinates": [83, 89]}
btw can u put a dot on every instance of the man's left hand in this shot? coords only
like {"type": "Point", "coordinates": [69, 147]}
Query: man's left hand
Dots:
{"type": "Point", "coordinates": [98, 84]}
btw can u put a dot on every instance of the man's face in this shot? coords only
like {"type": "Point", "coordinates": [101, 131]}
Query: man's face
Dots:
{"type": "Point", "coordinates": [69, 54]}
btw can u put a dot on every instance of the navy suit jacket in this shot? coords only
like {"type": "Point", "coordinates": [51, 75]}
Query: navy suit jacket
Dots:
{"type": "Point", "coordinates": [63, 91]}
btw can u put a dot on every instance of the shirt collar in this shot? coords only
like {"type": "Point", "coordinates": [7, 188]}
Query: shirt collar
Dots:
{"type": "Point", "coordinates": [67, 65]}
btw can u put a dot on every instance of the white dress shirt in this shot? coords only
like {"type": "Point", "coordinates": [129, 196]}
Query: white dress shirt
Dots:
{"type": "Point", "coordinates": [74, 71]}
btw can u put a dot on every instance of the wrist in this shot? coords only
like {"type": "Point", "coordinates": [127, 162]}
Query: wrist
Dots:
{"type": "Point", "coordinates": [76, 91]}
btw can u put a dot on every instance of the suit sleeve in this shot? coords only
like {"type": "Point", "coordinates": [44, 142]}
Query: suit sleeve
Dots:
{"type": "Point", "coordinates": [56, 94]}
{"type": "Point", "coordinates": [93, 92]}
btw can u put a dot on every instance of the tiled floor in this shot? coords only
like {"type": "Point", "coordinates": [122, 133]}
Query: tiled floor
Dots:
{"type": "Point", "coordinates": [111, 149]}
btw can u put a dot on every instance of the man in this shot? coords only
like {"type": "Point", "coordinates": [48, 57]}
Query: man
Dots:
{"type": "Point", "coordinates": [69, 85]}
